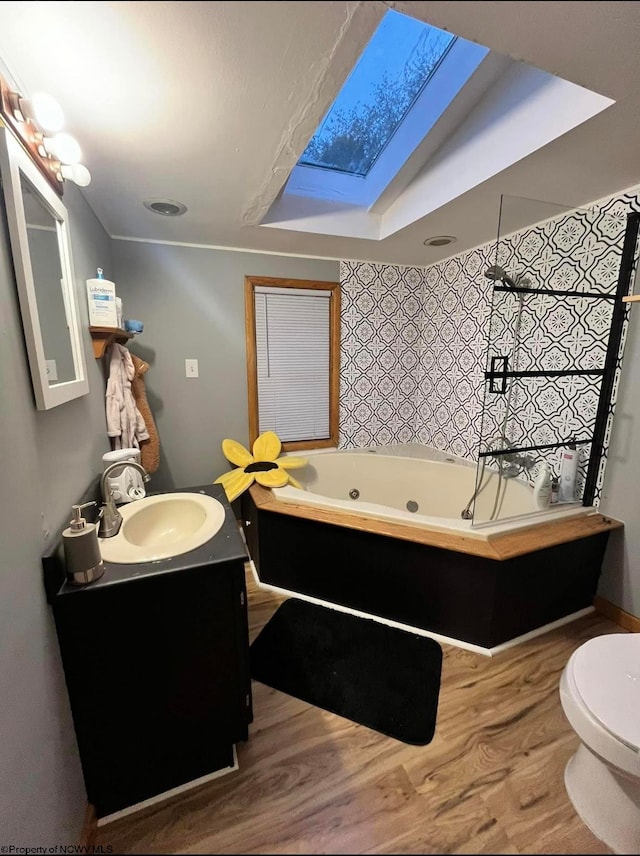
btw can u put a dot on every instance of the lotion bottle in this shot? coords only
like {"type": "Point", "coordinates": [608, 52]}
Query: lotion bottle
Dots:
{"type": "Point", "coordinates": [568, 470]}
{"type": "Point", "coordinates": [101, 294]}
{"type": "Point", "coordinates": [542, 488]}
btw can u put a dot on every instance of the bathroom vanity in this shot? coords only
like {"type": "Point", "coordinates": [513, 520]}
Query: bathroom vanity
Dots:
{"type": "Point", "coordinates": [156, 660]}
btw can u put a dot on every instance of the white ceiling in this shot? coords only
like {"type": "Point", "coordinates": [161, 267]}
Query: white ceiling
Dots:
{"type": "Point", "coordinates": [211, 104]}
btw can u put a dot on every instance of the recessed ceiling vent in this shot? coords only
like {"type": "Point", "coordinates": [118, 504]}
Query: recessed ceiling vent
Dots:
{"type": "Point", "coordinates": [440, 241]}
{"type": "Point", "coordinates": [166, 207]}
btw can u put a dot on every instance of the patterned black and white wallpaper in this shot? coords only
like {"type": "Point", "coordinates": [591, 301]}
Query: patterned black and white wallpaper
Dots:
{"type": "Point", "coordinates": [415, 341]}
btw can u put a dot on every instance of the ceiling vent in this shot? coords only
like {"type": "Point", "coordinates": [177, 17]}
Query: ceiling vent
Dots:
{"type": "Point", "coordinates": [166, 207]}
{"type": "Point", "coordinates": [440, 241]}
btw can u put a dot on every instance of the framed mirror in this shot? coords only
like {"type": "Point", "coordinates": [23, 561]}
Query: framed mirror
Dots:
{"type": "Point", "coordinates": [41, 250]}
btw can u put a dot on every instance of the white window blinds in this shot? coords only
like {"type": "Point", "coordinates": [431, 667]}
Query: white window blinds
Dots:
{"type": "Point", "coordinates": [292, 348]}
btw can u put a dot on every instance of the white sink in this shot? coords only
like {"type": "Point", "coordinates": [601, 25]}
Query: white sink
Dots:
{"type": "Point", "coordinates": [163, 526]}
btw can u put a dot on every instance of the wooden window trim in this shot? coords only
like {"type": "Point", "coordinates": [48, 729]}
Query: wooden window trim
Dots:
{"type": "Point", "coordinates": [250, 284]}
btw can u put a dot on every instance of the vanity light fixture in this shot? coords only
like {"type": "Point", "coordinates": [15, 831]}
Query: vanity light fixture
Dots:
{"type": "Point", "coordinates": [64, 147]}
{"type": "Point", "coordinates": [47, 112]}
{"type": "Point", "coordinates": [76, 172]}
{"type": "Point", "coordinates": [440, 241]}
{"type": "Point", "coordinates": [166, 207]}
{"type": "Point", "coordinates": [21, 108]}
{"type": "Point", "coordinates": [31, 120]}
{"type": "Point", "coordinates": [42, 110]}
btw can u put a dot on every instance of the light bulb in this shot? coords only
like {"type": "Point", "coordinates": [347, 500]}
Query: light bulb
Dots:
{"type": "Point", "coordinates": [63, 147]}
{"type": "Point", "coordinates": [76, 172]}
{"type": "Point", "coordinates": [47, 112]}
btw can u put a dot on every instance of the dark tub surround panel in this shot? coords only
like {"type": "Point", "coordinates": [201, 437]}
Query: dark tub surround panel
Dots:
{"type": "Point", "coordinates": [414, 340]}
{"type": "Point", "coordinates": [503, 590]}
{"type": "Point", "coordinates": [156, 663]}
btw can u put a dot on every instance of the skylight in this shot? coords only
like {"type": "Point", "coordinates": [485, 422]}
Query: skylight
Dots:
{"type": "Point", "coordinates": [424, 117]}
{"type": "Point", "coordinates": [393, 70]}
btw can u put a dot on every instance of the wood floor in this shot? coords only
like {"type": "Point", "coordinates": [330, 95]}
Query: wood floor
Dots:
{"type": "Point", "coordinates": [491, 781]}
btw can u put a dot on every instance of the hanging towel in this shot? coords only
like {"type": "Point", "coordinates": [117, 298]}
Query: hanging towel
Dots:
{"type": "Point", "coordinates": [149, 449]}
{"type": "Point", "coordinates": [125, 424]}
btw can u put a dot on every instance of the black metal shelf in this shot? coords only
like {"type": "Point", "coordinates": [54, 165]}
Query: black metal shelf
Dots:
{"type": "Point", "coordinates": [551, 373]}
{"type": "Point", "coordinates": [516, 450]}
{"type": "Point", "coordinates": [499, 375]}
{"type": "Point", "coordinates": [555, 292]}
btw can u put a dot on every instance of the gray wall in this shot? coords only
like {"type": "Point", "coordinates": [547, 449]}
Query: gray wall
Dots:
{"type": "Point", "coordinates": [191, 301]}
{"type": "Point", "coordinates": [47, 461]}
{"type": "Point", "coordinates": [620, 580]}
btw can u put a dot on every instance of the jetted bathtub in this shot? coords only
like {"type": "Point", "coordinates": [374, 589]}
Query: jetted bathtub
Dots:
{"type": "Point", "coordinates": [420, 486]}
{"type": "Point", "coordinates": [398, 550]}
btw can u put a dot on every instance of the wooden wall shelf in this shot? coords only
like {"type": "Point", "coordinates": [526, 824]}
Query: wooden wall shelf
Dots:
{"type": "Point", "coordinates": [105, 336]}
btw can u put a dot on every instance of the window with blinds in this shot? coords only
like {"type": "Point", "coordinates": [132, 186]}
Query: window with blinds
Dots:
{"type": "Point", "coordinates": [292, 358]}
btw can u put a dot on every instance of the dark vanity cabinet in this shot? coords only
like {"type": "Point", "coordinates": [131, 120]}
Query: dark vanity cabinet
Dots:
{"type": "Point", "coordinates": [156, 660]}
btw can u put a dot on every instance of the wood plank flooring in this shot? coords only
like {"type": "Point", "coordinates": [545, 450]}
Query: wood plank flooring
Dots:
{"type": "Point", "coordinates": [491, 781]}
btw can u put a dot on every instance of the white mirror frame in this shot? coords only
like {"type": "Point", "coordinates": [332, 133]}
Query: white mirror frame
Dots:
{"type": "Point", "coordinates": [14, 162]}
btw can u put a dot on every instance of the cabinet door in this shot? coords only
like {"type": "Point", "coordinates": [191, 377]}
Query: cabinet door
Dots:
{"type": "Point", "coordinates": [153, 668]}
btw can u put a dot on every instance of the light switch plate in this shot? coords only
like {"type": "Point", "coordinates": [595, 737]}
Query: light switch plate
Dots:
{"type": "Point", "coordinates": [191, 368]}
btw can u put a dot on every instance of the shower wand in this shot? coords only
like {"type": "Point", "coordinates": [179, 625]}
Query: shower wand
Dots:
{"type": "Point", "coordinates": [496, 273]}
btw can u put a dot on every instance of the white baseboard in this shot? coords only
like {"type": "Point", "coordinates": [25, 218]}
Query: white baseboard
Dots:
{"type": "Point", "coordinates": [447, 640]}
{"type": "Point", "coordinates": [109, 818]}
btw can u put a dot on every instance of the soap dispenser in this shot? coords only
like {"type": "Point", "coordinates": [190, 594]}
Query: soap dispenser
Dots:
{"type": "Point", "coordinates": [82, 556]}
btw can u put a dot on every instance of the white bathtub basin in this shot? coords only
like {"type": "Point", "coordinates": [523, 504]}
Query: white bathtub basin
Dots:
{"type": "Point", "coordinates": [428, 490]}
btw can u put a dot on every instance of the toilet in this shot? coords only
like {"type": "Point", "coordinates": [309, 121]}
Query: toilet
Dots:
{"type": "Point", "coordinates": [600, 695]}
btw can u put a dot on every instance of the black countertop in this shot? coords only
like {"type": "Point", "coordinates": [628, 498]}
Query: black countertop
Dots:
{"type": "Point", "coordinates": [226, 545]}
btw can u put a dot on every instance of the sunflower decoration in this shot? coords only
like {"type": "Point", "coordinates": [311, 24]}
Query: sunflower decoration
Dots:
{"type": "Point", "coordinates": [263, 466]}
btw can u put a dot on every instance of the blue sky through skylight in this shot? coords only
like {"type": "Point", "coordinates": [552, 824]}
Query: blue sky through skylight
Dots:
{"type": "Point", "coordinates": [392, 71]}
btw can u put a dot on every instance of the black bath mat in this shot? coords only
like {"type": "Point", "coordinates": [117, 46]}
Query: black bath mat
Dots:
{"type": "Point", "coordinates": [379, 676]}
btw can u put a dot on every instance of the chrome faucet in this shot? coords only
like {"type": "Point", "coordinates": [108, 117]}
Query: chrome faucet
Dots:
{"type": "Point", "coordinates": [110, 517]}
{"type": "Point", "coordinates": [513, 464]}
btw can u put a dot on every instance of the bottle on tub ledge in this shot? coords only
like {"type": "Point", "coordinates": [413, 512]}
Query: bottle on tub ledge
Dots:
{"type": "Point", "coordinates": [542, 487]}
{"type": "Point", "coordinates": [568, 471]}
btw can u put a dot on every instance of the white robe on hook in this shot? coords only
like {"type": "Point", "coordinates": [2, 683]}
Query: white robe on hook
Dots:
{"type": "Point", "coordinates": [125, 424]}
